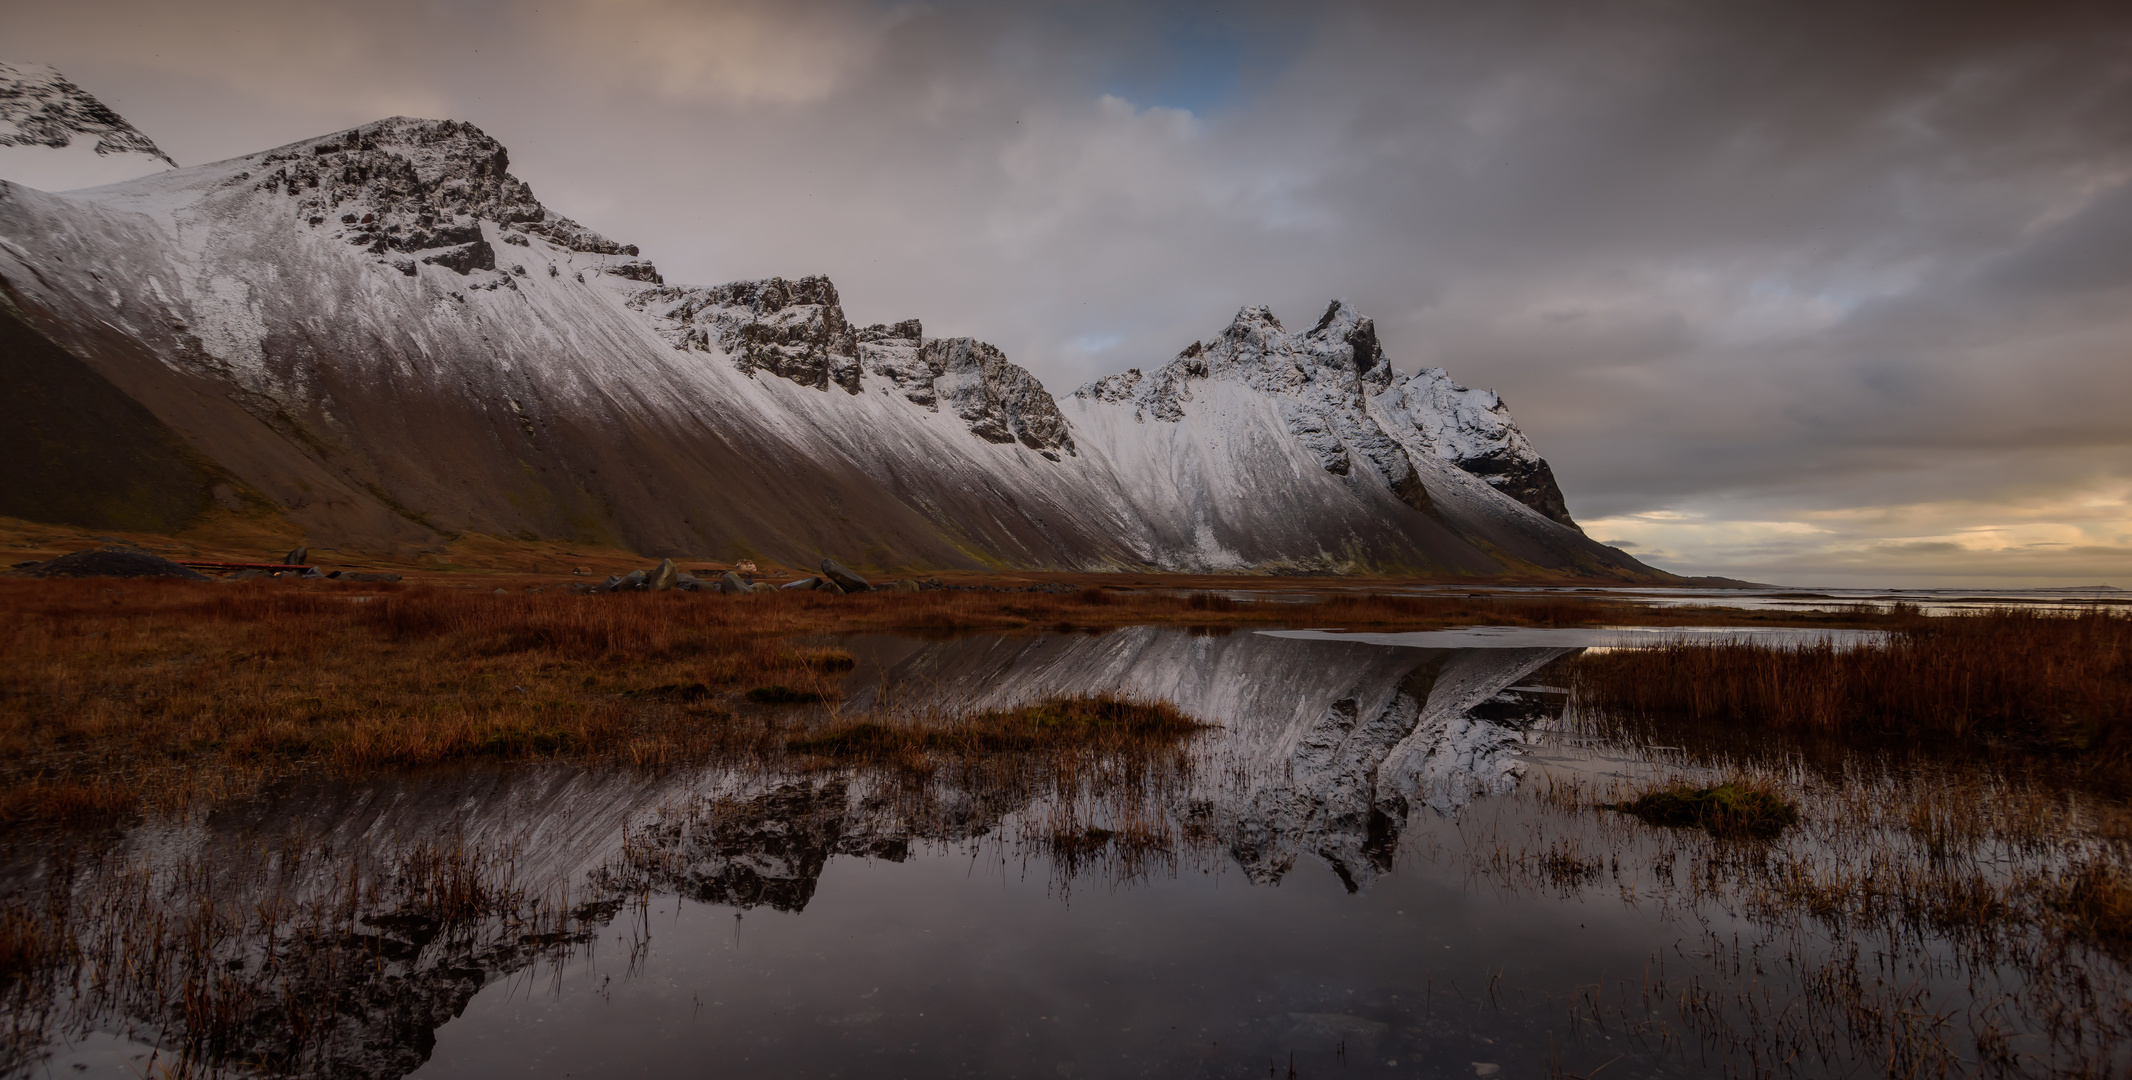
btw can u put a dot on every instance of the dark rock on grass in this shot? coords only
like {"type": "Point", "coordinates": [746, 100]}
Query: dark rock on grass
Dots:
{"type": "Point", "coordinates": [298, 557]}
{"type": "Point", "coordinates": [844, 578]}
{"type": "Point", "coordinates": [803, 584]}
{"type": "Point", "coordinates": [664, 576]}
{"type": "Point", "coordinates": [782, 695]}
{"type": "Point", "coordinates": [731, 583]}
{"type": "Point", "coordinates": [1733, 810]}
{"type": "Point", "coordinates": [903, 585]}
{"type": "Point", "coordinates": [111, 562]}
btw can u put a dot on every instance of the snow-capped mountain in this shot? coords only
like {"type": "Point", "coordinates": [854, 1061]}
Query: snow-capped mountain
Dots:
{"type": "Point", "coordinates": [382, 336]}
{"type": "Point", "coordinates": [55, 136]}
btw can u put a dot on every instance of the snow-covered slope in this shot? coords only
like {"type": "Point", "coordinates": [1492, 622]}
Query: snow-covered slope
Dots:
{"type": "Point", "coordinates": [1341, 399]}
{"type": "Point", "coordinates": [56, 136]}
{"type": "Point", "coordinates": [382, 333]}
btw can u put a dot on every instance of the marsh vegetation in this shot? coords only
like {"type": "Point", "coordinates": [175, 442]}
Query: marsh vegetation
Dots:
{"type": "Point", "coordinates": [1911, 855]}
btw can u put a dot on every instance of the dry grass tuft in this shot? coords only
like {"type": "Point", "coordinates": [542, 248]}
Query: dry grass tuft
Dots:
{"type": "Point", "coordinates": [2096, 898]}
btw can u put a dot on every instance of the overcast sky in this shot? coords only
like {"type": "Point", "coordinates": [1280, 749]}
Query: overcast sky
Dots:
{"type": "Point", "coordinates": [1813, 293]}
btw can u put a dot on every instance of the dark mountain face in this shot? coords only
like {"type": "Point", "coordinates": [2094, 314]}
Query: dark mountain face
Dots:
{"type": "Point", "coordinates": [384, 334]}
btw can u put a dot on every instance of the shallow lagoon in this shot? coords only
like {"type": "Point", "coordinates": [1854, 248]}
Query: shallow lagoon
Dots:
{"type": "Point", "coordinates": [1383, 861]}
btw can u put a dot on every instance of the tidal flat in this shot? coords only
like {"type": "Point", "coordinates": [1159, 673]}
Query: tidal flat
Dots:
{"type": "Point", "coordinates": [1198, 842]}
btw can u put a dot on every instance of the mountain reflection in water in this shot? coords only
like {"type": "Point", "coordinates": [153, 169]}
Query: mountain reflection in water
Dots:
{"type": "Point", "coordinates": [784, 916]}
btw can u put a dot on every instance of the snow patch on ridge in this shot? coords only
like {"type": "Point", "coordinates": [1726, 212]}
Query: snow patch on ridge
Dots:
{"type": "Point", "coordinates": [1343, 402]}
{"type": "Point", "coordinates": [55, 136]}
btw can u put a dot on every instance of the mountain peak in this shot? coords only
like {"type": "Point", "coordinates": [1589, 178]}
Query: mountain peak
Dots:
{"type": "Point", "coordinates": [1341, 399]}
{"type": "Point", "coordinates": [44, 108]}
{"type": "Point", "coordinates": [405, 184]}
{"type": "Point", "coordinates": [55, 135]}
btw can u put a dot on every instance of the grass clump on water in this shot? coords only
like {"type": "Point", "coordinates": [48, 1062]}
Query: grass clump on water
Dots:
{"type": "Point", "coordinates": [2096, 897]}
{"type": "Point", "coordinates": [1735, 809]}
{"type": "Point", "coordinates": [1094, 721]}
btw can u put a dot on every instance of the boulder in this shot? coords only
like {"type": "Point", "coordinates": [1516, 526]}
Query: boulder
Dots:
{"type": "Point", "coordinates": [612, 583]}
{"type": "Point", "coordinates": [664, 576]}
{"type": "Point", "coordinates": [630, 581]}
{"type": "Point", "coordinates": [843, 577]}
{"type": "Point", "coordinates": [297, 557]}
{"type": "Point", "coordinates": [803, 584]}
{"type": "Point", "coordinates": [764, 586]}
{"type": "Point", "coordinates": [731, 583]}
{"type": "Point", "coordinates": [830, 587]}
{"type": "Point", "coordinates": [903, 585]}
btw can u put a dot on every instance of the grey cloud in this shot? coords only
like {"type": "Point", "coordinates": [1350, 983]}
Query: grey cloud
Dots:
{"type": "Point", "coordinates": [1779, 256]}
{"type": "Point", "coordinates": [1921, 547]}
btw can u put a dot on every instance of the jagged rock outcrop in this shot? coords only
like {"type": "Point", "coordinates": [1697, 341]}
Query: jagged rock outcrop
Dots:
{"type": "Point", "coordinates": [1473, 430]}
{"type": "Point", "coordinates": [41, 107]}
{"type": "Point", "coordinates": [418, 186]}
{"type": "Point", "coordinates": [1343, 401]}
{"type": "Point", "coordinates": [1000, 401]}
{"type": "Point", "coordinates": [56, 136]}
{"type": "Point", "coordinates": [792, 329]}
{"type": "Point", "coordinates": [896, 352]}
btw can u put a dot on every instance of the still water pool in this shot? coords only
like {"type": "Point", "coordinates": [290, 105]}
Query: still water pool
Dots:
{"type": "Point", "coordinates": [1387, 857]}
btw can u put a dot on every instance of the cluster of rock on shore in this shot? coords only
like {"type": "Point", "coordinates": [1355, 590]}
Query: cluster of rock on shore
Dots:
{"type": "Point", "coordinates": [835, 578]}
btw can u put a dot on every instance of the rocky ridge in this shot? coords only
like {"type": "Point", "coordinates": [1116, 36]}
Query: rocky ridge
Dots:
{"type": "Point", "coordinates": [1342, 400]}
{"type": "Point", "coordinates": [796, 330]}
{"type": "Point", "coordinates": [41, 107]}
{"type": "Point", "coordinates": [447, 315]}
{"type": "Point", "coordinates": [403, 189]}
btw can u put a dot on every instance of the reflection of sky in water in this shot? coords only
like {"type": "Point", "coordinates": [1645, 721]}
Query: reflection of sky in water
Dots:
{"type": "Point", "coordinates": [1930, 601]}
{"type": "Point", "coordinates": [1601, 637]}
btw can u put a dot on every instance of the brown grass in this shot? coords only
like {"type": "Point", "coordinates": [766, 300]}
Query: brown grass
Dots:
{"type": "Point", "coordinates": [116, 691]}
{"type": "Point", "coordinates": [2096, 898]}
{"type": "Point", "coordinates": [2039, 683]}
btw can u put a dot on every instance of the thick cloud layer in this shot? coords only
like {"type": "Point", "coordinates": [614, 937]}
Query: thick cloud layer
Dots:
{"type": "Point", "coordinates": [1835, 293]}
